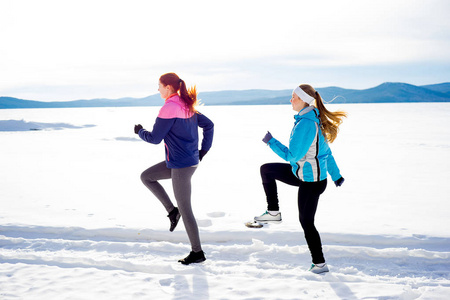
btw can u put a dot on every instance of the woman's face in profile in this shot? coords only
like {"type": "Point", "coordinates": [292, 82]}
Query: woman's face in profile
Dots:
{"type": "Point", "coordinates": [165, 91]}
{"type": "Point", "coordinates": [297, 103]}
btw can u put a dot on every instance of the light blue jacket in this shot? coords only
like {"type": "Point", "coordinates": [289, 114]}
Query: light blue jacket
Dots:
{"type": "Point", "coordinates": [308, 152]}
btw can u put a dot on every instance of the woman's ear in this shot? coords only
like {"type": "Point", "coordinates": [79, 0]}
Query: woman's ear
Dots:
{"type": "Point", "coordinates": [169, 89]}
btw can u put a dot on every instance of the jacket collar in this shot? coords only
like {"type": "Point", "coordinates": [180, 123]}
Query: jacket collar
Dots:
{"type": "Point", "coordinates": [306, 110]}
{"type": "Point", "coordinates": [309, 112]}
{"type": "Point", "coordinates": [171, 96]}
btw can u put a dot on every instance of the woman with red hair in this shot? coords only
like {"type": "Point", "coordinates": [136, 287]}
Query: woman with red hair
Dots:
{"type": "Point", "coordinates": [177, 124]}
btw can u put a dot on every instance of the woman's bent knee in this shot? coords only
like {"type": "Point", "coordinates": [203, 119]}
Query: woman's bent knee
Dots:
{"type": "Point", "coordinates": [145, 177]}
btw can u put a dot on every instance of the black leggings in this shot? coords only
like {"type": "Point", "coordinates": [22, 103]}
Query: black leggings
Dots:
{"type": "Point", "coordinates": [308, 198]}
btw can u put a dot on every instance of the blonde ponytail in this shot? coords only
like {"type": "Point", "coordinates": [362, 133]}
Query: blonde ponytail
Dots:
{"type": "Point", "coordinates": [329, 121]}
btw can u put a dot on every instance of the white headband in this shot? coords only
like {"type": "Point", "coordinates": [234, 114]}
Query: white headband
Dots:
{"type": "Point", "coordinates": [303, 96]}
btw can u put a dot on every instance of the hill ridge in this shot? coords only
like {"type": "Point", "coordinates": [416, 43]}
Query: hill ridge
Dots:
{"type": "Point", "coordinates": [387, 92]}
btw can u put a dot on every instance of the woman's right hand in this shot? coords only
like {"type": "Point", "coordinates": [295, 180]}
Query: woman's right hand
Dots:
{"type": "Point", "coordinates": [267, 137]}
{"type": "Point", "coordinates": [137, 128]}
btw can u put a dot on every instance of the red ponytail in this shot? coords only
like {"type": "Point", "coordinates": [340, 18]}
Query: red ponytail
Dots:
{"type": "Point", "coordinates": [189, 96]}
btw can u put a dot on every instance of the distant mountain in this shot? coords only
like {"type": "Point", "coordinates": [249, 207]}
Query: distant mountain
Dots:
{"type": "Point", "coordinates": [385, 93]}
{"type": "Point", "coordinates": [245, 97]}
{"type": "Point", "coordinates": [9, 102]}
{"type": "Point", "coordinates": [389, 92]}
{"type": "Point", "coordinates": [442, 87]}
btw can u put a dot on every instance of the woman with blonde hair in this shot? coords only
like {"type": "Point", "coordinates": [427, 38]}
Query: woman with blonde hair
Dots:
{"type": "Point", "coordinates": [310, 159]}
{"type": "Point", "coordinates": [177, 124]}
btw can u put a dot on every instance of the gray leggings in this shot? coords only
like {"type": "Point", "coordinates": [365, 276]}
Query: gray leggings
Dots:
{"type": "Point", "coordinates": [181, 182]}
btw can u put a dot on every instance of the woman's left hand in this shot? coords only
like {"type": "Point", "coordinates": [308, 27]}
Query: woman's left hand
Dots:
{"type": "Point", "coordinates": [201, 153]}
{"type": "Point", "coordinates": [339, 182]}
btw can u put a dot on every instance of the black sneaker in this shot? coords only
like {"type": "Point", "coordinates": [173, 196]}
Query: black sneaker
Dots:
{"type": "Point", "coordinates": [193, 257]}
{"type": "Point", "coordinates": [174, 217]}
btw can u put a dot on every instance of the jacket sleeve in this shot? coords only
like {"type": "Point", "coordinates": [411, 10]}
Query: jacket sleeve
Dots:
{"type": "Point", "coordinates": [332, 167]}
{"type": "Point", "coordinates": [159, 132]}
{"type": "Point", "coordinates": [208, 131]}
{"type": "Point", "coordinates": [301, 139]}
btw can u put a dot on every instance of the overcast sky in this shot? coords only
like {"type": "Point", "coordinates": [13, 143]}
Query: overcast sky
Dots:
{"type": "Point", "coordinates": [67, 50]}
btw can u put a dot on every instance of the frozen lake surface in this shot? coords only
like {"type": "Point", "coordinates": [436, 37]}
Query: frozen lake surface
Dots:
{"type": "Point", "coordinates": [77, 223]}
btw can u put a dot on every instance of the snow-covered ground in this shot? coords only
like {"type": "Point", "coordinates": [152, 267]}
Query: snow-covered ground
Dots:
{"type": "Point", "coordinates": [77, 223]}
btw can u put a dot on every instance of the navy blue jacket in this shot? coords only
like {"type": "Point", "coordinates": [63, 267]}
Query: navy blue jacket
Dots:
{"type": "Point", "coordinates": [178, 127]}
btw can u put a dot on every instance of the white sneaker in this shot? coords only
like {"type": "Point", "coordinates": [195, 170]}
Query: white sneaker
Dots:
{"type": "Point", "coordinates": [268, 218]}
{"type": "Point", "coordinates": [316, 269]}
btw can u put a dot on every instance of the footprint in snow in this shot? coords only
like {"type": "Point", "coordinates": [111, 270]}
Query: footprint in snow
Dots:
{"type": "Point", "coordinates": [167, 285]}
{"type": "Point", "coordinates": [216, 214]}
{"type": "Point", "coordinates": [204, 223]}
